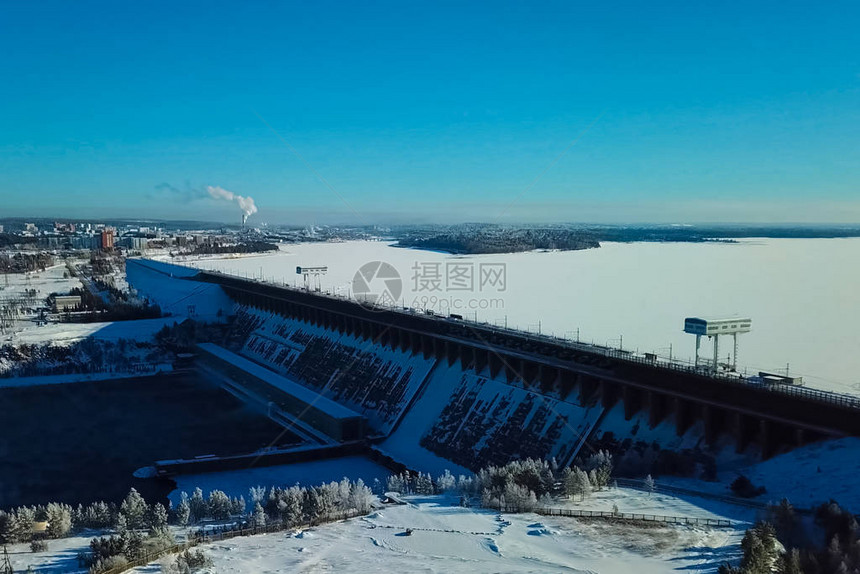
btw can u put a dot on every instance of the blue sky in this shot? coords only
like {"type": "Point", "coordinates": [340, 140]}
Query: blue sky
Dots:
{"type": "Point", "coordinates": [680, 111]}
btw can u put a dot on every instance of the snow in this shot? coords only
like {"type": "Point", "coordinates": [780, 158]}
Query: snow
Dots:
{"type": "Point", "coordinates": [61, 556]}
{"type": "Point", "coordinates": [45, 282]}
{"type": "Point", "coordinates": [68, 333]}
{"type": "Point", "coordinates": [806, 476]}
{"type": "Point", "coordinates": [452, 540]}
{"type": "Point", "coordinates": [642, 291]}
{"type": "Point", "coordinates": [169, 286]}
{"type": "Point", "coordinates": [635, 501]}
{"type": "Point", "coordinates": [237, 482]}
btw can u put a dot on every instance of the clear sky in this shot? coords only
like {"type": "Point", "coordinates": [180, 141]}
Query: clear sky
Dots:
{"type": "Point", "coordinates": [680, 111]}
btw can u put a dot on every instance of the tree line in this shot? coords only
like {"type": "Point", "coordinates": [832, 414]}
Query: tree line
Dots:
{"type": "Point", "coordinates": [519, 486]}
{"type": "Point", "coordinates": [828, 542]}
{"type": "Point", "coordinates": [138, 528]}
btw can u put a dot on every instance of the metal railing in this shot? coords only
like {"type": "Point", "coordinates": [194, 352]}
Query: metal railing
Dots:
{"type": "Point", "coordinates": [635, 517]}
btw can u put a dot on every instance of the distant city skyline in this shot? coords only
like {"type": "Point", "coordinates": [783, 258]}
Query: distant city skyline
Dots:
{"type": "Point", "coordinates": [390, 113]}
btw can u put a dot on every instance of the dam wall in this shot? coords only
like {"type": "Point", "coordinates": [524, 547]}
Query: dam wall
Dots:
{"type": "Point", "coordinates": [441, 391]}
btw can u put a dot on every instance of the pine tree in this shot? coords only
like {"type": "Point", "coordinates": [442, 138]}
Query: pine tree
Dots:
{"type": "Point", "coordinates": [157, 519]}
{"type": "Point", "coordinates": [218, 505]}
{"type": "Point", "coordinates": [360, 497]}
{"type": "Point", "coordinates": [586, 483]}
{"type": "Point", "coordinates": [134, 508]}
{"type": "Point", "coordinates": [790, 562]}
{"type": "Point", "coordinates": [259, 517]}
{"type": "Point", "coordinates": [760, 549]}
{"type": "Point", "coordinates": [239, 506]}
{"type": "Point", "coordinates": [258, 494]}
{"type": "Point", "coordinates": [197, 506]}
{"type": "Point", "coordinates": [183, 512]}
{"type": "Point", "coordinates": [594, 480]}
{"type": "Point", "coordinates": [291, 513]}
{"type": "Point", "coordinates": [446, 481]}
{"type": "Point", "coordinates": [8, 528]}
{"type": "Point", "coordinates": [344, 489]}
{"type": "Point", "coordinates": [424, 484]}
{"type": "Point", "coordinates": [121, 524]}
{"type": "Point", "coordinates": [59, 517]}
{"type": "Point", "coordinates": [649, 485]}
{"type": "Point", "coordinates": [311, 505]}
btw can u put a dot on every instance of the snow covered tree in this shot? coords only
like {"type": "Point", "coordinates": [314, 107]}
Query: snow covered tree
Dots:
{"type": "Point", "coordinates": [327, 496]}
{"type": "Point", "coordinates": [157, 518]}
{"type": "Point", "coordinates": [134, 508]}
{"type": "Point", "coordinates": [466, 485]}
{"type": "Point", "coordinates": [99, 515]}
{"type": "Point", "coordinates": [219, 505]}
{"type": "Point", "coordinates": [259, 517]}
{"type": "Point", "coordinates": [238, 506]}
{"type": "Point", "coordinates": [424, 484]}
{"type": "Point", "coordinates": [59, 517]}
{"type": "Point", "coordinates": [344, 489]}
{"type": "Point", "coordinates": [133, 543]}
{"type": "Point", "coordinates": [360, 497]}
{"type": "Point", "coordinates": [272, 502]}
{"type": "Point", "coordinates": [446, 481]}
{"type": "Point", "coordinates": [576, 482]}
{"type": "Point", "coordinates": [291, 510]}
{"type": "Point", "coordinates": [593, 479]}
{"type": "Point", "coordinates": [121, 524]}
{"type": "Point", "coordinates": [649, 485]}
{"type": "Point", "coordinates": [183, 511]}
{"type": "Point", "coordinates": [258, 494]}
{"type": "Point", "coordinates": [760, 549]}
{"type": "Point", "coordinates": [519, 498]}
{"type": "Point", "coordinates": [567, 481]}
{"type": "Point", "coordinates": [490, 500]}
{"type": "Point", "coordinates": [393, 483]}
{"type": "Point", "coordinates": [601, 463]}
{"type": "Point", "coordinates": [197, 505]}
{"type": "Point", "coordinates": [311, 505]}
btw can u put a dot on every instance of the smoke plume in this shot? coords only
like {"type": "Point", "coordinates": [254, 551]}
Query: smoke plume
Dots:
{"type": "Point", "coordinates": [246, 204]}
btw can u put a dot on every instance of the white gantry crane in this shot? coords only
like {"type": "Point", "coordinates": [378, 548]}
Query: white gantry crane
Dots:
{"type": "Point", "coordinates": [714, 328]}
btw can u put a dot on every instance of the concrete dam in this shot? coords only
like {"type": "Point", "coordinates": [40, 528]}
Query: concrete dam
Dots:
{"type": "Point", "coordinates": [438, 392]}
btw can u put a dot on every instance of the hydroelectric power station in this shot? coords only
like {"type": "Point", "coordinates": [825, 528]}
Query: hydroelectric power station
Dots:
{"type": "Point", "coordinates": [429, 391]}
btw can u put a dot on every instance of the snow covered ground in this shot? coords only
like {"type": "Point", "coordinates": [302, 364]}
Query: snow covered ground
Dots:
{"type": "Point", "coordinates": [60, 558]}
{"type": "Point", "coordinates": [449, 539]}
{"type": "Point", "coordinates": [51, 280]}
{"type": "Point", "coordinates": [642, 291]}
{"type": "Point", "coordinates": [165, 285]}
{"type": "Point", "coordinates": [807, 476]}
{"type": "Point", "coordinates": [67, 333]}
